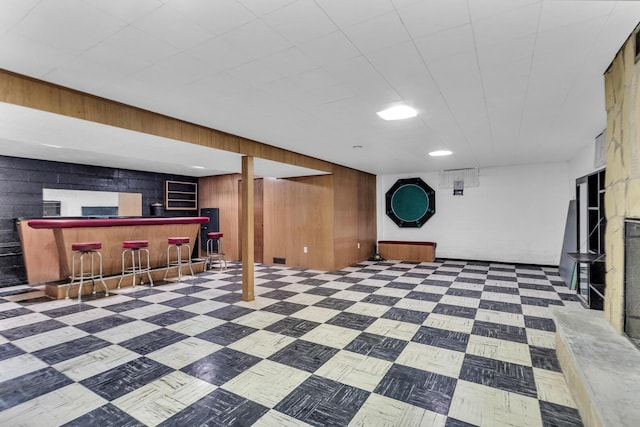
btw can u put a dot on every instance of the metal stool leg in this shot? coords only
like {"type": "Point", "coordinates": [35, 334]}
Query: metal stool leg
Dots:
{"type": "Point", "coordinates": [176, 263]}
{"type": "Point", "coordinates": [215, 254]}
{"type": "Point", "coordinates": [104, 285]}
{"type": "Point", "coordinates": [148, 268]}
{"type": "Point", "coordinates": [124, 252]}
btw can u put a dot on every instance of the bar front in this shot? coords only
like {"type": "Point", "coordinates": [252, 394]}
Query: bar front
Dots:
{"type": "Point", "coordinates": [46, 243]}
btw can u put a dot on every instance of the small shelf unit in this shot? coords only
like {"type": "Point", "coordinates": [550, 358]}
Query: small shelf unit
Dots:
{"type": "Point", "coordinates": [181, 196]}
{"type": "Point", "coordinates": [591, 264]}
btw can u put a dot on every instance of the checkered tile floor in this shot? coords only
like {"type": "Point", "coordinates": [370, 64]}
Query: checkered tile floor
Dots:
{"type": "Point", "coordinates": [386, 343]}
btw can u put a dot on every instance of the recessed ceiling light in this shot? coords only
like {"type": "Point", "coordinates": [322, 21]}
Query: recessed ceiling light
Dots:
{"type": "Point", "coordinates": [398, 112]}
{"type": "Point", "coordinates": [440, 153]}
{"type": "Point", "coordinates": [198, 167]}
{"type": "Point", "coordinates": [52, 145]}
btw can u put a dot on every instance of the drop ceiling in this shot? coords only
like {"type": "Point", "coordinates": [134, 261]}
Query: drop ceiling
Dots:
{"type": "Point", "coordinates": [498, 82]}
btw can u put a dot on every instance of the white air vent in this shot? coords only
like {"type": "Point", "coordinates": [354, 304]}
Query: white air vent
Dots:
{"type": "Point", "coordinates": [468, 176]}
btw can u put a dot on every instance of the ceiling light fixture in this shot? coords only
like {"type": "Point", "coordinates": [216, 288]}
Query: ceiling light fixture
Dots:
{"type": "Point", "coordinates": [52, 145]}
{"type": "Point", "coordinates": [440, 153]}
{"type": "Point", "coordinates": [398, 112]}
{"type": "Point", "coordinates": [198, 167]}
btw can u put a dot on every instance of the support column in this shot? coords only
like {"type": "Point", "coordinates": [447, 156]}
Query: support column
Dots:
{"type": "Point", "coordinates": [247, 229]}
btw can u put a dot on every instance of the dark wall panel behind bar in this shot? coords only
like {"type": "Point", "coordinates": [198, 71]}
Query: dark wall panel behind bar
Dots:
{"type": "Point", "coordinates": [21, 184]}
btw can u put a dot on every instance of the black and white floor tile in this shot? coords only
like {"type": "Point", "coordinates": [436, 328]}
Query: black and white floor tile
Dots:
{"type": "Point", "coordinates": [449, 343]}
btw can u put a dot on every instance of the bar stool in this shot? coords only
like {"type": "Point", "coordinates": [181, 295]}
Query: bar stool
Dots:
{"type": "Point", "coordinates": [80, 249]}
{"type": "Point", "coordinates": [178, 243]}
{"type": "Point", "coordinates": [135, 247]}
{"type": "Point", "coordinates": [214, 249]}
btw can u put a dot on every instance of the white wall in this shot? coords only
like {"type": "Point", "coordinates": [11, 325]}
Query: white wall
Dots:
{"type": "Point", "coordinates": [517, 214]}
{"type": "Point", "coordinates": [582, 164]}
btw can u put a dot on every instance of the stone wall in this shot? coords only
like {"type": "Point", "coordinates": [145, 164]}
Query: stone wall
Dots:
{"type": "Point", "coordinates": [623, 171]}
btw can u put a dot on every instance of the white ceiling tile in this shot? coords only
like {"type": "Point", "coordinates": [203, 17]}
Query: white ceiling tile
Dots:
{"type": "Point", "coordinates": [329, 49]}
{"type": "Point", "coordinates": [558, 14]}
{"type": "Point", "coordinates": [433, 16]}
{"type": "Point", "coordinates": [84, 75]}
{"type": "Point", "coordinates": [111, 57]}
{"type": "Point", "coordinates": [507, 51]}
{"type": "Point", "coordinates": [446, 43]}
{"type": "Point", "coordinates": [219, 84]}
{"type": "Point", "coordinates": [255, 73]}
{"type": "Point", "coordinates": [58, 25]}
{"type": "Point", "coordinates": [256, 39]}
{"type": "Point", "coordinates": [288, 62]}
{"type": "Point", "coordinates": [219, 54]}
{"type": "Point", "coordinates": [130, 91]}
{"type": "Point", "coordinates": [261, 7]}
{"type": "Point", "coordinates": [313, 79]}
{"type": "Point", "coordinates": [508, 91]}
{"type": "Point", "coordinates": [30, 57]}
{"type": "Point", "coordinates": [570, 38]}
{"type": "Point", "coordinates": [173, 28]}
{"type": "Point", "coordinates": [300, 21]}
{"type": "Point", "coordinates": [126, 10]}
{"type": "Point", "coordinates": [516, 23]}
{"type": "Point", "coordinates": [377, 33]}
{"type": "Point", "coordinates": [217, 16]}
{"type": "Point", "coordinates": [285, 91]}
{"type": "Point", "coordinates": [364, 80]}
{"type": "Point", "coordinates": [346, 13]}
{"type": "Point", "coordinates": [328, 95]}
{"type": "Point", "coordinates": [487, 8]}
{"type": "Point", "coordinates": [132, 42]}
{"type": "Point", "coordinates": [461, 69]}
{"type": "Point", "coordinates": [403, 68]}
{"type": "Point", "coordinates": [403, 3]}
{"type": "Point", "coordinates": [174, 71]}
{"type": "Point", "coordinates": [14, 11]}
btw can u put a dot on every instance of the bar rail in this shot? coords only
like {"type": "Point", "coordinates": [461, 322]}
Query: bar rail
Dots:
{"type": "Point", "coordinates": [113, 222]}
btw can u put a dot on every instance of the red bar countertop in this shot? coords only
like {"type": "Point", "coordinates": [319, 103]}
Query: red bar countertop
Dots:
{"type": "Point", "coordinates": [114, 222]}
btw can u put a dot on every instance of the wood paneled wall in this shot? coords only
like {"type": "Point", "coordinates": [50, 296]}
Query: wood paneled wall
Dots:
{"type": "Point", "coordinates": [258, 220]}
{"type": "Point", "coordinates": [355, 216]}
{"type": "Point", "coordinates": [367, 221]}
{"type": "Point", "coordinates": [222, 192]}
{"type": "Point", "coordinates": [329, 214]}
{"type": "Point", "coordinates": [298, 213]}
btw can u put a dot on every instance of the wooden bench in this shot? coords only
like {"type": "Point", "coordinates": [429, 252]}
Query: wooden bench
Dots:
{"type": "Point", "coordinates": [407, 251]}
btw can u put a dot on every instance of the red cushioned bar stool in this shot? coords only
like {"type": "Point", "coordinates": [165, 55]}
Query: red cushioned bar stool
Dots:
{"type": "Point", "coordinates": [135, 248]}
{"type": "Point", "coordinates": [214, 250]}
{"type": "Point", "coordinates": [178, 243]}
{"type": "Point", "coordinates": [80, 251]}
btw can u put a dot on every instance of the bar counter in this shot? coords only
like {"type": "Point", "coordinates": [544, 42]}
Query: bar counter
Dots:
{"type": "Point", "coordinates": [46, 243]}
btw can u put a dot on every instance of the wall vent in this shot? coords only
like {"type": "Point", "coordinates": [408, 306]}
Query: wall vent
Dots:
{"type": "Point", "coordinates": [279, 260]}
